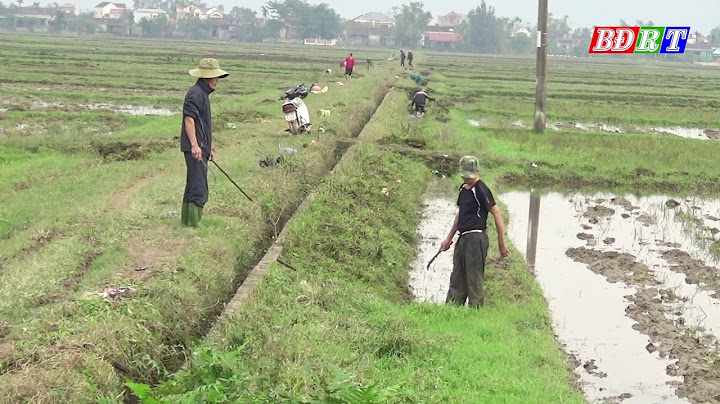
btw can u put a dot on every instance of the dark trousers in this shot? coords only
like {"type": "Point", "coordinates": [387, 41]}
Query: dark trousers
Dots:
{"type": "Point", "coordinates": [468, 275]}
{"type": "Point", "coordinates": [196, 184]}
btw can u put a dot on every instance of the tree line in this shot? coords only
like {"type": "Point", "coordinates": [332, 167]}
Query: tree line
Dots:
{"type": "Point", "coordinates": [482, 30]}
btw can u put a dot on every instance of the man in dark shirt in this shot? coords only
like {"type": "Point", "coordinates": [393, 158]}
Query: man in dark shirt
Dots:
{"type": "Point", "coordinates": [419, 100]}
{"type": "Point", "coordinates": [402, 58]}
{"type": "Point", "coordinates": [475, 201]}
{"type": "Point", "coordinates": [196, 139]}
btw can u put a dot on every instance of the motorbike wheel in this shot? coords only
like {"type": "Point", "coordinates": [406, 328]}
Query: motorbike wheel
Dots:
{"type": "Point", "coordinates": [294, 127]}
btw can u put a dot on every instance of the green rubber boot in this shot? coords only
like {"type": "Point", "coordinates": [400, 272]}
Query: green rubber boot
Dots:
{"type": "Point", "coordinates": [184, 214]}
{"type": "Point", "coordinates": [194, 215]}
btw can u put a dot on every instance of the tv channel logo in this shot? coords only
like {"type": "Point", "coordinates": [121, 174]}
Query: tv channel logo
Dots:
{"type": "Point", "coordinates": [639, 40]}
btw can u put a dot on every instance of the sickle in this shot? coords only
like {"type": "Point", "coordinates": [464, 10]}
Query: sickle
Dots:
{"type": "Point", "coordinates": [433, 259]}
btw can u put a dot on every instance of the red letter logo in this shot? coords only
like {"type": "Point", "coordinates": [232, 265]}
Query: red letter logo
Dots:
{"type": "Point", "coordinates": [602, 40]}
{"type": "Point", "coordinates": [625, 38]}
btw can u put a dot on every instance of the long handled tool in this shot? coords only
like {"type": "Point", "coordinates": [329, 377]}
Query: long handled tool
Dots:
{"type": "Point", "coordinates": [231, 180]}
{"type": "Point", "coordinates": [228, 177]}
{"type": "Point", "coordinates": [442, 106]}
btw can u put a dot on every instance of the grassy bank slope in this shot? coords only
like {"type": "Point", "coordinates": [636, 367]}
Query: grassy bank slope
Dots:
{"type": "Point", "coordinates": [340, 326]}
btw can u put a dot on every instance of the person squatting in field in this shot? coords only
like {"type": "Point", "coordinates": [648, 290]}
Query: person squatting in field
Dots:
{"type": "Point", "coordinates": [196, 139]}
{"type": "Point", "coordinates": [419, 100]}
{"type": "Point", "coordinates": [475, 202]}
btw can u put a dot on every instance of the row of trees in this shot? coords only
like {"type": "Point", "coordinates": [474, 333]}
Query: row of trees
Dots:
{"type": "Point", "coordinates": [482, 31]}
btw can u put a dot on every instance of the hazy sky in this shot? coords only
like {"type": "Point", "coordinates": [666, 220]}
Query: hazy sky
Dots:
{"type": "Point", "coordinates": [701, 15]}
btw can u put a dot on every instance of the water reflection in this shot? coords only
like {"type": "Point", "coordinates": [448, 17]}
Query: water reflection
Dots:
{"type": "Point", "coordinates": [533, 225]}
{"type": "Point", "coordinates": [588, 312]}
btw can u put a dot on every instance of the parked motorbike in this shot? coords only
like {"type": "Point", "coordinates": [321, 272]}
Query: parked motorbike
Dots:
{"type": "Point", "coordinates": [296, 112]}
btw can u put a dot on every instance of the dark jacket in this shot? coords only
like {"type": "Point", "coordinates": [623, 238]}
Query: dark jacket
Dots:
{"type": "Point", "coordinates": [420, 98]}
{"type": "Point", "coordinates": [197, 106]}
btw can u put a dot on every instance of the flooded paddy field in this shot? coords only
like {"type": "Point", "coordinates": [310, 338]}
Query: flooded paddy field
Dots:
{"type": "Point", "coordinates": [631, 283]}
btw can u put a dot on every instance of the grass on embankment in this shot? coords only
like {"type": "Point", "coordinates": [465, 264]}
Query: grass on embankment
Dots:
{"type": "Point", "coordinates": [73, 223]}
{"type": "Point", "coordinates": [341, 328]}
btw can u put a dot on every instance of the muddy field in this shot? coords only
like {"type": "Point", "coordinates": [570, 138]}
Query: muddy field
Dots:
{"type": "Point", "coordinates": [674, 131]}
{"type": "Point", "coordinates": [631, 285]}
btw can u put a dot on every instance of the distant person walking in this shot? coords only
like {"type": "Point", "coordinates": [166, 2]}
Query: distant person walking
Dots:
{"type": "Point", "coordinates": [475, 202]}
{"type": "Point", "coordinates": [410, 58]}
{"type": "Point", "coordinates": [349, 64]}
{"type": "Point", "coordinates": [196, 139]}
{"type": "Point", "coordinates": [402, 58]}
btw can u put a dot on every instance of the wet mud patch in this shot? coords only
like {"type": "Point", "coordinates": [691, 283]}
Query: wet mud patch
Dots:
{"type": "Point", "coordinates": [130, 110]}
{"type": "Point", "coordinates": [595, 213]}
{"type": "Point", "coordinates": [441, 164]}
{"type": "Point", "coordinates": [122, 151]}
{"type": "Point", "coordinates": [694, 355]}
{"type": "Point", "coordinates": [695, 271]}
{"type": "Point", "coordinates": [616, 267]}
{"type": "Point", "coordinates": [630, 287]}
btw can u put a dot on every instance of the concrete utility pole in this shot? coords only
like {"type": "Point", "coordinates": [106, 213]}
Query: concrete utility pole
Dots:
{"type": "Point", "coordinates": [541, 61]}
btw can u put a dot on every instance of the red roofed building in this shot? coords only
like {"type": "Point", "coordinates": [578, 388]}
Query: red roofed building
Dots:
{"type": "Point", "coordinates": [443, 37]}
{"type": "Point", "coordinates": [443, 34]}
{"type": "Point", "coordinates": [104, 9]}
{"type": "Point", "coordinates": [69, 8]}
{"type": "Point", "coordinates": [116, 14]}
{"type": "Point", "coordinates": [441, 40]}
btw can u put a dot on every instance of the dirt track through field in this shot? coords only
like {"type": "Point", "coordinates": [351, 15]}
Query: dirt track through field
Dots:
{"type": "Point", "coordinates": [122, 198]}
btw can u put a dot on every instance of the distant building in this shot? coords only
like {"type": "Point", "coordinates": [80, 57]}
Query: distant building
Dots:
{"type": "Point", "coordinates": [371, 29]}
{"type": "Point", "coordinates": [188, 12]}
{"type": "Point", "coordinates": [209, 13]}
{"type": "Point", "coordinates": [116, 14]}
{"type": "Point", "coordinates": [146, 13]}
{"type": "Point", "coordinates": [442, 40]}
{"type": "Point", "coordinates": [522, 31]}
{"type": "Point", "coordinates": [567, 43]}
{"type": "Point", "coordinates": [697, 38]}
{"type": "Point", "coordinates": [444, 33]}
{"type": "Point", "coordinates": [105, 10]}
{"type": "Point", "coordinates": [70, 8]}
{"type": "Point", "coordinates": [38, 18]}
{"type": "Point", "coordinates": [451, 19]}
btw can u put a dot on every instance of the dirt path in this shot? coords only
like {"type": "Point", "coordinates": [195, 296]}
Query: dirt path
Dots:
{"type": "Point", "coordinates": [122, 198]}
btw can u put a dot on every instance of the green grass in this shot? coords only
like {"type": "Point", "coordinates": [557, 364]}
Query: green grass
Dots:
{"type": "Point", "coordinates": [345, 311]}
{"type": "Point", "coordinates": [90, 196]}
{"type": "Point", "coordinates": [78, 216]}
